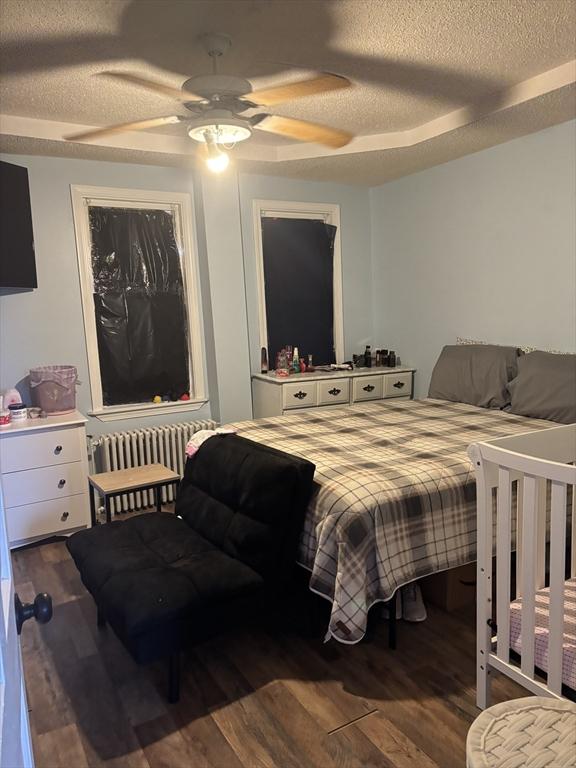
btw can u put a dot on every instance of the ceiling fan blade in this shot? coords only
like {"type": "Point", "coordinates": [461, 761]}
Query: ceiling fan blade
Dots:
{"type": "Point", "coordinates": [269, 97]}
{"type": "Point", "coordinates": [302, 130]}
{"type": "Point", "coordinates": [152, 85]}
{"type": "Point", "coordinates": [110, 130]}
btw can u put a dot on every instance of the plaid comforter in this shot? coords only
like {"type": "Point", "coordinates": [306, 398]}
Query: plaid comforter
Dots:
{"type": "Point", "coordinates": [395, 495]}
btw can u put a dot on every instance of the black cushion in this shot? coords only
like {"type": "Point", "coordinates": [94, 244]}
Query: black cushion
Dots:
{"type": "Point", "coordinates": [152, 575]}
{"type": "Point", "coordinates": [164, 580]}
{"type": "Point", "coordinates": [248, 499]}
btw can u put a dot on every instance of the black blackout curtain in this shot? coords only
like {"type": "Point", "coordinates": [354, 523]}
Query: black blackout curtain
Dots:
{"type": "Point", "coordinates": [298, 257]}
{"type": "Point", "coordinates": [140, 305]}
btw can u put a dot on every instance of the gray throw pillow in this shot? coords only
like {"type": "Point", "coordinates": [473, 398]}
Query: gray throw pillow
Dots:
{"type": "Point", "coordinates": [477, 374]}
{"type": "Point", "coordinates": [545, 387]}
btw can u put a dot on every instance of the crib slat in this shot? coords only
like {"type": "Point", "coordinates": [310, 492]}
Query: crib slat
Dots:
{"type": "Point", "coordinates": [573, 542]}
{"type": "Point", "coordinates": [541, 534]}
{"type": "Point", "coordinates": [503, 549]}
{"type": "Point", "coordinates": [529, 522]}
{"type": "Point", "coordinates": [519, 527]}
{"type": "Point", "coordinates": [556, 605]}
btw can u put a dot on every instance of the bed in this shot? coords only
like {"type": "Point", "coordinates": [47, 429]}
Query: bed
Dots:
{"type": "Point", "coordinates": [395, 496]}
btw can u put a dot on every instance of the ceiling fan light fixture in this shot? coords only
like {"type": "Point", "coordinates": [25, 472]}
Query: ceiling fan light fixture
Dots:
{"type": "Point", "coordinates": [220, 133]}
{"type": "Point", "coordinates": [216, 160]}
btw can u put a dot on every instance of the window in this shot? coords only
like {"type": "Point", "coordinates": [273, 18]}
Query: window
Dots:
{"type": "Point", "coordinates": [141, 307]}
{"type": "Point", "coordinates": [299, 278]}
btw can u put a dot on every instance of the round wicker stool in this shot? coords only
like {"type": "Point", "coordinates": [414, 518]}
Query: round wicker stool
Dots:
{"type": "Point", "coordinates": [535, 732]}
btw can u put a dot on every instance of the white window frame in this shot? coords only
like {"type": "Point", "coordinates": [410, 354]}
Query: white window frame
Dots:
{"type": "Point", "coordinates": [180, 204]}
{"type": "Point", "coordinates": [330, 214]}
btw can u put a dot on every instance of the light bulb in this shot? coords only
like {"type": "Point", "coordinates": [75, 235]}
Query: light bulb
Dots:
{"type": "Point", "coordinates": [218, 162]}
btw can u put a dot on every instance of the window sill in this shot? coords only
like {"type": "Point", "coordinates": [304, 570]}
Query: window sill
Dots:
{"type": "Point", "coordinates": [119, 412]}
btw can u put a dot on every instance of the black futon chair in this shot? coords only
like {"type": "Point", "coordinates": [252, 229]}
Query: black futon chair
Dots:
{"type": "Point", "coordinates": [165, 581]}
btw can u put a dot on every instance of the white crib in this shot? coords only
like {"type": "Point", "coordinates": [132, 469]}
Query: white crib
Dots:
{"type": "Point", "coordinates": [526, 498]}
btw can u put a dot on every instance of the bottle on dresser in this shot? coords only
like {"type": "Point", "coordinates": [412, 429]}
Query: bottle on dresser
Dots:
{"type": "Point", "coordinates": [367, 357]}
{"type": "Point", "coordinates": [296, 361]}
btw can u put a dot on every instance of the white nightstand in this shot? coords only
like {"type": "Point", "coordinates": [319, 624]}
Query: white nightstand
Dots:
{"type": "Point", "coordinates": [274, 395]}
{"type": "Point", "coordinates": [44, 468]}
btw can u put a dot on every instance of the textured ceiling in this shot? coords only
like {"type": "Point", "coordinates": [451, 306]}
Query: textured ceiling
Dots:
{"type": "Point", "coordinates": [411, 61]}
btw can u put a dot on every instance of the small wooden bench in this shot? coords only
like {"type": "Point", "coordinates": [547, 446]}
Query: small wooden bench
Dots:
{"type": "Point", "coordinates": [120, 481]}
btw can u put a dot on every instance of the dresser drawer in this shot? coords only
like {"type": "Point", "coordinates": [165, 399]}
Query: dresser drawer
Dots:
{"type": "Point", "coordinates": [335, 391]}
{"type": "Point", "coordinates": [398, 385]}
{"type": "Point", "coordinates": [34, 485]}
{"type": "Point", "coordinates": [300, 394]}
{"type": "Point", "coordinates": [40, 449]}
{"type": "Point", "coordinates": [47, 518]}
{"type": "Point", "coordinates": [367, 388]}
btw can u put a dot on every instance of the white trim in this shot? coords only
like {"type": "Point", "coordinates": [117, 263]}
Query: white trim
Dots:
{"type": "Point", "coordinates": [144, 141]}
{"type": "Point", "coordinates": [182, 207]}
{"type": "Point", "coordinates": [330, 213]}
{"type": "Point", "coordinates": [119, 412]}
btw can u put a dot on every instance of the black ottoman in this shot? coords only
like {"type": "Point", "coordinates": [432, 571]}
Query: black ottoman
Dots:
{"type": "Point", "coordinates": [164, 581]}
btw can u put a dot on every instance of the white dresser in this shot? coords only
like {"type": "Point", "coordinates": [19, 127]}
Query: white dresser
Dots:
{"type": "Point", "coordinates": [44, 472]}
{"type": "Point", "coordinates": [274, 395]}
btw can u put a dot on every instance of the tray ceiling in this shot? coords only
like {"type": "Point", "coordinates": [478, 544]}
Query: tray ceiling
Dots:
{"type": "Point", "coordinates": [433, 79]}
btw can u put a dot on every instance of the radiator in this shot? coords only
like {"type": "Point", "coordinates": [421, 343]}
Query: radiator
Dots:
{"type": "Point", "coordinates": [153, 445]}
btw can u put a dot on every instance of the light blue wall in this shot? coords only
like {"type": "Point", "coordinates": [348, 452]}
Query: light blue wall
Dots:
{"type": "Point", "coordinates": [45, 326]}
{"type": "Point", "coordinates": [226, 269]}
{"type": "Point", "coordinates": [482, 247]}
{"type": "Point", "coordinates": [356, 258]}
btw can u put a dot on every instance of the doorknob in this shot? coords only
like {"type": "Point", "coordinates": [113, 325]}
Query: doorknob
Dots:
{"type": "Point", "coordinates": [41, 609]}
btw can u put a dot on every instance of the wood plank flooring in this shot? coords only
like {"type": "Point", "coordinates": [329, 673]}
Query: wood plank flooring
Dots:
{"type": "Point", "coordinates": [258, 698]}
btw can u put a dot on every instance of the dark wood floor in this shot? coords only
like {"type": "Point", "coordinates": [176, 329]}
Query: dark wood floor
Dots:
{"type": "Point", "coordinates": [258, 698]}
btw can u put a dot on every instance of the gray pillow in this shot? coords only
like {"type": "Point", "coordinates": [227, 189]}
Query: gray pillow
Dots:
{"type": "Point", "coordinates": [545, 387]}
{"type": "Point", "coordinates": [477, 374]}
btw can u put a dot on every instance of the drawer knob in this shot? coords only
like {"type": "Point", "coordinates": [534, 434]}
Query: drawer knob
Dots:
{"type": "Point", "coordinates": [368, 388]}
{"type": "Point", "coordinates": [61, 483]}
{"type": "Point", "coordinates": [65, 516]}
{"type": "Point", "coordinates": [399, 384]}
{"type": "Point", "coordinates": [334, 391]}
{"type": "Point", "coordinates": [300, 395]}
{"type": "Point", "coordinates": [58, 449]}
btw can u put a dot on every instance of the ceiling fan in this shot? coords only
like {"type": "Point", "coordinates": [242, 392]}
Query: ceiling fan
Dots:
{"type": "Point", "coordinates": [217, 104]}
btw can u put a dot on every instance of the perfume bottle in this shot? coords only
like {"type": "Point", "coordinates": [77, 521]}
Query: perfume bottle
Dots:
{"type": "Point", "coordinates": [296, 361]}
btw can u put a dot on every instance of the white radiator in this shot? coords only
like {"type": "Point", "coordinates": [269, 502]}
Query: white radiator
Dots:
{"type": "Point", "coordinates": [153, 445]}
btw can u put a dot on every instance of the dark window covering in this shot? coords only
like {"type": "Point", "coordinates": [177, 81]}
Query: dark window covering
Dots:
{"type": "Point", "coordinates": [139, 305]}
{"type": "Point", "coordinates": [298, 257]}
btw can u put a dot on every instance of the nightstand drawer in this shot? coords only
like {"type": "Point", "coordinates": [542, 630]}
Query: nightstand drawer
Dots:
{"type": "Point", "coordinates": [300, 394]}
{"type": "Point", "coordinates": [330, 392]}
{"type": "Point", "coordinates": [397, 385]}
{"type": "Point", "coordinates": [46, 483]}
{"type": "Point", "coordinates": [40, 449]}
{"type": "Point", "coordinates": [47, 517]}
{"type": "Point", "coordinates": [368, 388]}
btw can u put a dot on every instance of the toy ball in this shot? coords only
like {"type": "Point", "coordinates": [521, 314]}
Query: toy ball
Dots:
{"type": "Point", "coordinates": [157, 399]}
{"type": "Point", "coordinates": [185, 396]}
